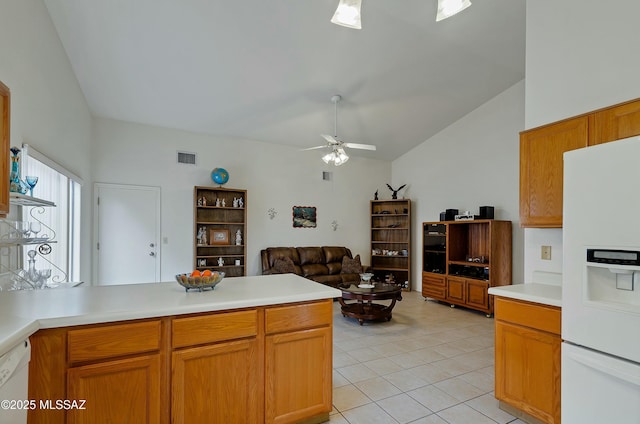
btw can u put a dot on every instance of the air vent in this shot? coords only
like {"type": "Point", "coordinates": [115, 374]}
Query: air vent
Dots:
{"type": "Point", "coordinates": [187, 158]}
{"type": "Point", "coordinates": [327, 176]}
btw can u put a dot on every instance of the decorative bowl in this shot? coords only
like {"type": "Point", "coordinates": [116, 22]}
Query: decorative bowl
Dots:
{"type": "Point", "coordinates": [199, 283]}
{"type": "Point", "coordinates": [366, 277]}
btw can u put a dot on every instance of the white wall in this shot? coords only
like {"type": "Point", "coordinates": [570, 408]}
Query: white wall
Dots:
{"type": "Point", "coordinates": [276, 176]}
{"type": "Point", "coordinates": [48, 110]}
{"type": "Point", "coordinates": [580, 56]}
{"type": "Point", "coordinates": [472, 163]}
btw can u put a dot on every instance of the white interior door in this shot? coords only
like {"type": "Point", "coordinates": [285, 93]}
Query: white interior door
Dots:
{"type": "Point", "coordinates": [127, 234]}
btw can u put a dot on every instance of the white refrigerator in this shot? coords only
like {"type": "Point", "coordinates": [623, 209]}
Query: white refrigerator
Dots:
{"type": "Point", "coordinates": [601, 284]}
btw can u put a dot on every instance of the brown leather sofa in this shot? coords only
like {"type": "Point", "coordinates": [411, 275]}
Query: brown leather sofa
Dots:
{"type": "Point", "coordinates": [321, 264]}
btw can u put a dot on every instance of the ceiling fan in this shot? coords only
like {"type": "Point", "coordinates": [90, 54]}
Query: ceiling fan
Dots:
{"type": "Point", "coordinates": [337, 155]}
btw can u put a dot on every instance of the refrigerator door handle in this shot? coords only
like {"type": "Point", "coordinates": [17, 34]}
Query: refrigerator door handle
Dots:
{"type": "Point", "coordinates": [630, 377]}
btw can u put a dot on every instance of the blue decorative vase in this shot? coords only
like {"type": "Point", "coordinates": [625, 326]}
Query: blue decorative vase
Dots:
{"type": "Point", "coordinates": [16, 185]}
{"type": "Point", "coordinates": [220, 176]}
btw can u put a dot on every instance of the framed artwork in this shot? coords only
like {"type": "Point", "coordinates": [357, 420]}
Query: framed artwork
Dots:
{"type": "Point", "coordinates": [304, 217]}
{"type": "Point", "coordinates": [218, 236]}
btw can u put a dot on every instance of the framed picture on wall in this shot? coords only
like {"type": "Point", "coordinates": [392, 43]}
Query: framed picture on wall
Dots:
{"type": "Point", "coordinates": [218, 236]}
{"type": "Point", "coordinates": [304, 217]}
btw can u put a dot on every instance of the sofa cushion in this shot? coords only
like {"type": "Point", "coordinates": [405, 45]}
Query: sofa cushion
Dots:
{"type": "Point", "coordinates": [283, 266]}
{"type": "Point", "coordinates": [351, 266]}
{"type": "Point", "coordinates": [310, 270]}
{"type": "Point", "coordinates": [282, 252]}
{"type": "Point", "coordinates": [311, 255]}
{"type": "Point", "coordinates": [335, 253]}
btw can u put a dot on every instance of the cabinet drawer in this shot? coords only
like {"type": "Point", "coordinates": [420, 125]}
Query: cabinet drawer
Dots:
{"type": "Point", "coordinates": [287, 318]}
{"type": "Point", "coordinates": [433, 280]}
{"type": "Point", "coordinates": [87, 344]}
{"type": "Point", "coordinates": [213, 328]}
{"type": "Point", "coordinates": [533, 315]}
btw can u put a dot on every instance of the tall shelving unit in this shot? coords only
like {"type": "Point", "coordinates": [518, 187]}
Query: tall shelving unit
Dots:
{"type": "Point", "coordinates": [462, 259]}
{"type": "Point", "coordinates": [391, 240]}
{"type": "Point", "coordinates": [215, 212]}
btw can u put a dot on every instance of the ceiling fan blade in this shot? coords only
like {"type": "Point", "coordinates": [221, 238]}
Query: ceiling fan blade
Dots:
{"type": "Point", "coordinates": [324, 146]}
{"type": "Point", "coordinates": [359, 146]}
{"type": "Point", "coordinates": [331, 139]}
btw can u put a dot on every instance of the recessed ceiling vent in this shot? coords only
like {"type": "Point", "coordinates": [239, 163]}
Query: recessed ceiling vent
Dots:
{"type": "Point", "coordinates": [187, 158]}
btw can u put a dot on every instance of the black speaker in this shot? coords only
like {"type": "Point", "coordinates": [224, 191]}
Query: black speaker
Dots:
{"type": "Point", "coordinates": [486, 212]}
{"type": "Point", "coordinates": [443, 216]}
{"type": "Point", "coordinates": [450, 214]}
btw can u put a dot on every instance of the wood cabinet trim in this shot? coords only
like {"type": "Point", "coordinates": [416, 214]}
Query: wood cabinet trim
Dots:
{"type": "Point", "coordinates": [528, 314]}
{"type": "Point", "coordinates": [113, 340]}
{"type": "Point", "coordinates": [5, 143]}
{"type": "Point", "coordinates": [212, 328]}
{"type": "Point", "coordinates": [306, 315]}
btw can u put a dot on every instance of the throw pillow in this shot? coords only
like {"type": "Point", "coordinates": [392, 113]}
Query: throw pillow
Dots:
{"type": "Point", "coordinates": [351, 266]}
{"type": "Point", "coordinates": [283, 266]}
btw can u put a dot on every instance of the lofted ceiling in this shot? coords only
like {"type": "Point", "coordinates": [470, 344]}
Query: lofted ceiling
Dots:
{"type": "Point", "coordinates": [266, 69]}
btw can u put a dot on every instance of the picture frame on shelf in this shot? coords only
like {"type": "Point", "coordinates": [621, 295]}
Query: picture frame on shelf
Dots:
{"type": "Point", "coordinates": [219, 236]}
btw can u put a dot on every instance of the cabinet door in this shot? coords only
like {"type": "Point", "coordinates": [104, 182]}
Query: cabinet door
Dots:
{"type": "Point", "coordinates": [541, 170]}
{"type": "Point", "coordinates": [5, 118]}
{"type": "Point", "coordinates": [126, 390]}
{"type": "Point", "coordinates": [298, 375]}
{"type": "Point", "coordinates": [434, 286]}
{"type": "Point", "coordinates": [217, 383]}
{"type": "Point", "coordinates": [477, 295]}
{"type": "Point", "coordinates": [527, 374]}
{"type": "Point", "coordinates": [455, 290]}
{"type": "Point", "coordinates": [614, 123]}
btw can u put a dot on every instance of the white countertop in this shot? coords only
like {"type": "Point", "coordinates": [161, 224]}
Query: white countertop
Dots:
{"type": "Point", "coordinates": [24, 312]}
{"type": "Point", "coordinates": [545, 294]}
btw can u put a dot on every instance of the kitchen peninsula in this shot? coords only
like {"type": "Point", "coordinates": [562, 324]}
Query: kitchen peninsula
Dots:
{"type": "Point", "coordinates": [255, 349]}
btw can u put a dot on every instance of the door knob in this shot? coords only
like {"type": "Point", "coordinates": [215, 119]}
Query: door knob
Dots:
{"type": "Point", "coordinates": [152, 245]}
{"type": "Point", "coordinates": [152, 253]}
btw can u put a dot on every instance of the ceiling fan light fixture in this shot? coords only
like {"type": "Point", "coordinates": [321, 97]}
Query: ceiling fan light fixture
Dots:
{"type": "Point", "coordinates": [338, 157]}
{"type": "Point", "coordinates": [348, 14]}
{"type": "Point", "coordinates": [448, 8]}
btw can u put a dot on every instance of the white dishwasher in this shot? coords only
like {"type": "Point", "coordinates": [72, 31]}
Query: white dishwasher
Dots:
{"type": "Point", "coordinates": [14, 381]}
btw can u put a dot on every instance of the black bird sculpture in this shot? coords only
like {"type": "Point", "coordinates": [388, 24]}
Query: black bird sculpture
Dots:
{"type": "Point", "coordinates": [394, 194]}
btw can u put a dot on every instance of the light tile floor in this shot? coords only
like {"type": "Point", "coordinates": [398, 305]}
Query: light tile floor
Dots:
{"type": "Point", "coordinates": [431, 364]}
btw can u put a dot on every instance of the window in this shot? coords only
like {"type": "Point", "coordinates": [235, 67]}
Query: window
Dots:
{"type": "Point", "coordinates": [62, 223]}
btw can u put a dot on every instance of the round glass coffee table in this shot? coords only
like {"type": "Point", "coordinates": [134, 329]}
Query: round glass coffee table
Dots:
{"type": "Point", "coordinates": [364, 308]}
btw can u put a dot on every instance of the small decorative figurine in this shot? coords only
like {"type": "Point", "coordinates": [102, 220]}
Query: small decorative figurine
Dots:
{"type": "Point", "coordinates": [202, 235]}
{"type": "Point", "coordinates": [238, 238]}
{"type": "Point", "coordinates": [204, 201]}
{"type": "Point", "coordinates": [220, 261]}
{"type": "Point", "coordinates": [200, 201]}
{"type": "Point", "coordinates": [235, 202]}
{"type": "Point", "coordinates": [394, 194]}
{"type": "Point", "coordinates": [217, 202]}
{"type": "Point", "coordinates": [240, 203]}
{"type": "Point", "coordinates": [224, 204]}
{"type": "Point", "coordinates": [375, 196]}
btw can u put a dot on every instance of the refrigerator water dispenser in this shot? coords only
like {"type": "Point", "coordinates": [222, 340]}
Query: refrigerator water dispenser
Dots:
{"type": "Point", "coordinates": [611, 279]}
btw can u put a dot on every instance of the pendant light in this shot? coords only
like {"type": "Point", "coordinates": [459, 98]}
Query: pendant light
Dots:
{"type": "Point", "coordinates": [448, 8]}
{"type": "Point", "coordinates": [348, 14]}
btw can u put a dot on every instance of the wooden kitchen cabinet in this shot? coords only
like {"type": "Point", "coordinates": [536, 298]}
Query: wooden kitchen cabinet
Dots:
{"type": "Point", "coordinates": [541, 169]}
{"type": "Point", "coordinates": [614, 123]}
{"type": "Point", "coordinates": [541, 160]}
{"type": "Point", "coordinates": [126, 390]}
{"type": "Point", "coordinates": [527, 358]}
{"type": "Point", "coordinates": [215, 369]}
{"type": "Point", "coordinates": [298, 365]}
{"type": "Point", "coordinates": [270, 364]}
{"type": "Point", "coordinates": [5, 121]}
{"type": "Point", "coordinates": [116, 368]}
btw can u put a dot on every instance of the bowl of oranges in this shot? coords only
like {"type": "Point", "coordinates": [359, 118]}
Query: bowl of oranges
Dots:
{"type": "Point", "coordinates": [200, 280]}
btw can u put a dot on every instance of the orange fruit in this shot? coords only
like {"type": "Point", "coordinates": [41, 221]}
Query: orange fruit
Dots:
{"type": "Point", "coordinates": [196, 273]}
{"type": "Point", "coordinates": [206, 273]}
